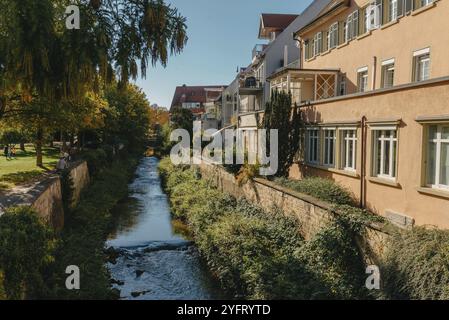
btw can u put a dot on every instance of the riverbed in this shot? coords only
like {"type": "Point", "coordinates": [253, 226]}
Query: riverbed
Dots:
{"type": "Point", "coordinates": [156, 261]}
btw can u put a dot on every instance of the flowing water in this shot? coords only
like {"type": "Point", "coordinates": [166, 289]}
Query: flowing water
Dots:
{"type": "Point", "coordinates": [155, 261]}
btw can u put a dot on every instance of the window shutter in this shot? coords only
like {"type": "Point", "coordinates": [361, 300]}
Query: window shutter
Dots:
{"type": "Point", "coordinates": [356, 24]}
{"type": "Point", "coordinates": [341, 32]}
{"type": "Point", "coordinates": [408, 6]}
{"type": "Point", "coordinates": [385, 12]}
{"type": "Point", "coordinates": [417, 4]}
{"type": "Point", "coordinates": [324, 41]}
{"type": "Point", "coordinates": [310, 50]}
{"type": "Point", "coordinates": [362, 27]}
{"type": "Point", "coordinates": [401, 7]}
{"type": "Point", "coordinates": [320, 42]}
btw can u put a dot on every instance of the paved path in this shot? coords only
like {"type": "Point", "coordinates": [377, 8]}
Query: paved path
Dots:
{"type": "Point", "coordinates": [25, 194]}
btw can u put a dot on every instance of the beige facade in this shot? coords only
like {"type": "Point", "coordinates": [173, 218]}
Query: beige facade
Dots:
{"type": "Point", "coordinates": [384, 134]}
{"type": "Point", "coordinates": [398, 41]}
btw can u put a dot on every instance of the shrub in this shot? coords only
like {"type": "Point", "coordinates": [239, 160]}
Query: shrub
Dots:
{"type": "Point", "coordinates": [417, 265]}
{"type": "Point", "coordinates": [86, 232]}
{"type": "Point", "coordinates": [96, 160]}
{"type": "Point", "coordinates": [261, 255]}
{"type": "Point", "coordinates": [26, 251]}
{"type": "Point", "coordinates": [324, 189]}
{"type": "Point", "coordinates": [333, 257]}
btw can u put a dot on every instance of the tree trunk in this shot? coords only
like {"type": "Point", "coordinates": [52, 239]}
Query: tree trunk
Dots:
{"type": "Point", "coordinates": [22, 146]}
{"type": "Point", "coordinates": [39, 137]}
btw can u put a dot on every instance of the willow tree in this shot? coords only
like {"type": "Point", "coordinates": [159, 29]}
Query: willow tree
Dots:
{"type": "Point", "coordinates": [40, 58]}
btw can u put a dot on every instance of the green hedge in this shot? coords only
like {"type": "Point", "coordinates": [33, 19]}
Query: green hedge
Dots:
{"type": "Point", "coordinates": [324, 189]}
{"type": "Point", "coordinates": [417, 265]}
{"type": "Point", "coordinates": [26, 252]}
{"type": "Point", "coordinates": [261, 255]}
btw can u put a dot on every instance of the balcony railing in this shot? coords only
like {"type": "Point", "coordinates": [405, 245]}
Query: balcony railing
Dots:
{"type": "Point", "coordinates": [251, 83]}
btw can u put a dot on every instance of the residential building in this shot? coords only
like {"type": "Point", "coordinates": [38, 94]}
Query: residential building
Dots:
{"type": "Point", "coordinates": [373, 83]}
{"type": "Point", "coordinates": [203, 101]}
{"type": "Point", "coordinates": [281, 51]}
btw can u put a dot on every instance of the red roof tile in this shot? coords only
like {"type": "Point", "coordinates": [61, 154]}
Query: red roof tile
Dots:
{"type": "Point", "coordinates": [194, 94]}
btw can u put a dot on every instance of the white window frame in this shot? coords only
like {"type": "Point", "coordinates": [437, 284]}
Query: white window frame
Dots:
{"type": "Point", "coordinates": [438, 146]}
{"type": "Point", "coordinates": [362, 79]}
{"type": "Point", "coordinates": [393, 11]}
{"type": "Point", "coordinates": [419, 67]}
{"type": "Point", "coordinates": [348, 135]}
{"type": "Point", "coordinates": [372, 15]}
{"type": "Point", "coordinates": [378, 134]}
{"type": "Point", "coordinates": [425, 3]}
{"type": "Point", "coordinates": [351, 26]}
{"type": "Point", "coordinates": [317, 44]}
{"type": "Point", "coordinates": [388, 65]}
{"type": "Point", "coordinates": [332, 37]}
{"type": "Point", "coordinates": [310, 145]}
{"type": "Point", "coordinates": [327, 161]}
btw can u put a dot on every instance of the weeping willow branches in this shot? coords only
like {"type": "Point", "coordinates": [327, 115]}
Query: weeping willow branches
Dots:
{"type": "Point", "coordinates": [118, 39]}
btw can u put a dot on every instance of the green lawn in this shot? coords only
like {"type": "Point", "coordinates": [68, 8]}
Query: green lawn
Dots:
{"type": "Point", "coordinates": [23, 168]}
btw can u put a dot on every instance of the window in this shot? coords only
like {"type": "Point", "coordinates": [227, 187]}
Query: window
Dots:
{"type": "Point", "coordinates": [426, 2]}
{"type": "Point", "coordinates": [332, 37]}
{"type": "Point", "coordinates": [438, 156]}
{"type": "Point", "coordinates": [421, 68]}
{"type": "Point", "coordinates": [372, 15]}
{"type": "Point", "coordinates": [307, 50]}
{"type": "Point", "coordinates": [385, 153]}
{"type": "Point", "coordinates": [393, 10]}
{"type": "Point", "coordinates": [387, 74]}
{"type": "Point", "coordinates": [329, 147]}
{"type": "Point", "coordinates": [317, 43]}
{"type": "Point", "coordinates": [348, 149]}
{"type": "Point", "coordinates": [343, 85]}
{"type": "Point", "coordinates": [313, 146]}
{"type": "Point", "coordinates": [352, 26]}
{"type": "Point", "coordinates": [362, 79]}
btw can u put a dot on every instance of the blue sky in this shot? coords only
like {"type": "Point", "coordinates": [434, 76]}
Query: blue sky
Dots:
{"type": "Point", "coordinates": [222, 34]}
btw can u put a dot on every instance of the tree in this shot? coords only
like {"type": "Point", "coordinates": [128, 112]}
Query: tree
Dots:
{"type": "Point", "coordinates": [182, 119]}
{"type": "Point", "coordinates": [41, 61]}
{"type": "Point", "coordinates": [126, 119]}
{"type": "Point", "coordinates": [280, 115]}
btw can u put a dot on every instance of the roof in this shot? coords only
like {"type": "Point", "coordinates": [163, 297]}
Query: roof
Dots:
{"type": "Point", "coordinates": [274, 22]}
{"type": "Point", "coordinates": [332, 7]}
{"type": "Point", "coordinates": [195, 94]}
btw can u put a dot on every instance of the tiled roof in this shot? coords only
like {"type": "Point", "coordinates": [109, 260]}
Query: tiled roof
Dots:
{"type": "Point", "coordinates": [277, 21]}
{"type": "Point", "coordinates": [194, 94]}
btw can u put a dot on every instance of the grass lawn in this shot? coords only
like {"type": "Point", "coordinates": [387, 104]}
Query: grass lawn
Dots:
{"type": "Point", "coordinates": [23, 168]}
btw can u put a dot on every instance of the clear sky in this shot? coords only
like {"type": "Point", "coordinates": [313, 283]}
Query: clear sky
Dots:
{"type": "Point", "coordinates": [222, 34]}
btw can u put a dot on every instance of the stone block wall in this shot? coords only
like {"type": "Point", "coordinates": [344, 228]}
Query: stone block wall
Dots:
{"type": "Point", "coordinates": [81, 178]}
{"type": "Point", "coordinates": [312, 214]}
{"type": "Point", "coordinates": [45, 196]}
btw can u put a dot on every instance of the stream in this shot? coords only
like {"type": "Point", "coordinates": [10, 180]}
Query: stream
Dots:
{"type": "Point", "coordinates": [156, 261]}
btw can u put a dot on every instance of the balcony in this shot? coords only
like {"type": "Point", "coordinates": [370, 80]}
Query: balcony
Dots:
{"type": "Point", "coordinates": [250, 85]}
{"type": "Point", "coordinates": [257, 51]}
{"type": "Point", "coordinates": [306, 85]}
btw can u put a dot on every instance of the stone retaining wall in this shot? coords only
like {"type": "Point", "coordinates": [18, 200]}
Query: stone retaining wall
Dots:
{"type": "Point", "coordinates": [311, 213]}
{"type": "Point", "coordinates": [45, 196]}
